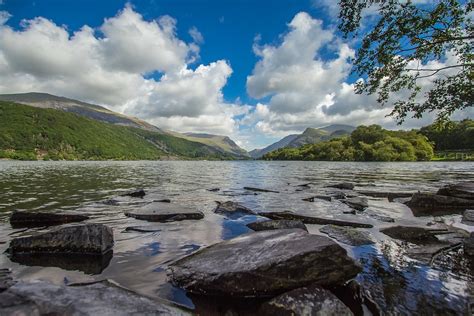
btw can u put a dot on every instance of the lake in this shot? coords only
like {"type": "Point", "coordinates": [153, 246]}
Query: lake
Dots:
{"type": "Point", "coordinates": [397, 283]}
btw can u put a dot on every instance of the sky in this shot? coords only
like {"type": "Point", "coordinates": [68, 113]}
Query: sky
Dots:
{"type": "Point", "coordinates": [252, 70]}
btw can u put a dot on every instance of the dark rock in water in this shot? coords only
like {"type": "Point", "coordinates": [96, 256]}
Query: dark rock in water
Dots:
{"type": "Point", "coordinates": [312, 220]}
{"type": "Point", "coordinates": [415, 235]}
{"type": "Point", "coordinates": [259, 190]}
{"type": "Point", "coordinates": [264, 264]}
{"type": "Point", "coordinates": [214, 190]}
{"type": "Point", "coordinates": [312, 300]}
{"type": "Point", "coordinates": [276, 224]}
{"type": "Point", "coordinates": [5, 279]}
{"type": "Point", "coordinates": [38, 219]}
{"type": "Point", "coordinates": [164, 212]}
{"type": "Point", "coordinates": [304, 185]}
{"type": "Point", "coordinates": [232, 209]}
{"type": "Point", "coordinates": [468, 245]}
{"type": "Point", "coordinates": [142, 229]}
{"type": "Point", "coordinates": [358, 203]}
{"type": "Point", "coordinates": [319, 197]}
{"type": "Point", "coordinates": [463, 190]}
{"type": "Point", "coordinates": [379, 217]}
{"type": "Point", "coordinates": [468, 217]}
{"type": "Point", "coordinates": [391, 196]}
{"type": "Point", "coordinates": [338, 195]}
{"type": "Point", "coordinates": [83, 239]}
{"type": "Point", "coordinates": [346, 235]}
{"type": "Point", "coordinates": [112, 202]}
{"type": "Point", "coordinates": [343, 186]}
{"type": "Point", "coordinates": [136, 194]}
{"type": "Point", "coordinates": [357, 298]}
{"type": "Point", "coordinates": [423, 204]}
{"type": "Point", "coordinates": [101, 298]}
{"type": "Point", "coordinates": [163, 201]}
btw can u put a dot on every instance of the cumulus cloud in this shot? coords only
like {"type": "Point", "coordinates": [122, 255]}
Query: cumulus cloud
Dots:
{"type": "Point", "coordinates": [129, 64]}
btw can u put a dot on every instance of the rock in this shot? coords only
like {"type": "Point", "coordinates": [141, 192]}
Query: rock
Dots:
{"type": "Point", "coordinates": [102, 298]}
{"type": "Point", "coordinates": [468, 217]}
{"type": "Point", "coordinates": [164, 212]}
{"type": "Point", "coordinates": [415, 235]}
{"type": "Point", "coordinates": [319, 197]}
{"type": "Point", "coordinates": [112, 202]}
{"type": "Point", "coordinates": [350, 236]}
{"type": "Point", "coordinates": [82, 239]}
{"type": "Point", "coordinates": [140, 193]}
{"type": "Point", "coordinates": [423, 204]}
{"type": "Point", "coordinates": [358, 299]}
{"type": "Point", "coordinates": [338, 195]}
{"type": "Point", "coordinates": [468, 245]}
{"type": "Point", "coordinates": [379, 217]}
{"type": "Point", "coordinates": [214, 190]}
{"type": "Point", "coordinates": [358, 203]}
{"type": "Point", "coordinates": [389, 195]}
{"type": "Point", "coordinates": [276, 224]}
{"type": "Point", "coordinates": [263, 264]}
{"type": "Point", "coordinates": [5, 279]}
{"type": "Point", "coordinates": [463, 190]}
{"type": "Point", "coordinates": [142, 229]}
{"type": "Point", "coordinates": [311, 300]}
{"type": "Point", "coordinates": [259, 190]}
{"type": "Point", "coordinates": [312, 220]}
{"type": "Point", "coordinates": [232, 209]}
{"type": "Point", "coordinates": [343, 186]}
{"type": "Point", "coordinates": [38, 219]}
{"type": "Point", "coordinates": [162, 200]}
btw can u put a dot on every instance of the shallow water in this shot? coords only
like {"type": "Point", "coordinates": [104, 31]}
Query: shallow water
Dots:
{"type": "Point", "coordinates": [397, 283]}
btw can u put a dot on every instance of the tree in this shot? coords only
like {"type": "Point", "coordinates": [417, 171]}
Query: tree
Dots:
{"type": "Point", "coordinates": [403, 38]}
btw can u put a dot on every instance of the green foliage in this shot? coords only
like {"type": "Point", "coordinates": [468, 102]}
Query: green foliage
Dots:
{"type": "Point", "coordinates": [30, 133]}
{"type": "Point", "coordinates": [366, 143]}
{"type": "Point", "coordinates": [452, 135]}
{"type": "Point", "coordinates": [407, 33]}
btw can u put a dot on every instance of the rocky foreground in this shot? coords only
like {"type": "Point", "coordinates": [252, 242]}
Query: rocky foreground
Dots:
{"type": "Point", "coordinates": [287, 269]}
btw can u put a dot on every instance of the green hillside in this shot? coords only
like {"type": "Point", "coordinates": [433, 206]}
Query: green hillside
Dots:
{"type": "Point", "coordinates": [30, 133]}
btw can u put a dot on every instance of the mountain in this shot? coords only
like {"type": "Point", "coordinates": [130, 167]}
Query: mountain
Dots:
{"type": "Point", "coordinates": [222, 143]}
{"type": "Point", "coordinates": [31, 133]}
{"type": "Point", "coordinates": [309, 136]}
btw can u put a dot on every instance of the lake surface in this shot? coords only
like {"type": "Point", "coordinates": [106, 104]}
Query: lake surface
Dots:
{"type": "Point", "coordinates": [397, 283]}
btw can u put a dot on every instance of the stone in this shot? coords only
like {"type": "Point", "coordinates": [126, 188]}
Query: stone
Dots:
{"type": "Point", "coordinates": [140, 193]}
{"type": "Point", "coordinates": [468, 217]}
{"type": "Point", "coordinates": [6, 279]}
{"type": "Point", "coordinates": [391, 196]}
{"type": "Point", "coordinates": [263, 264]}
{"type": "Point", "coordinates": [276, 224]}
{"type": "Point", "coordinates": [232, 209]}
{"type": "Point", "coordinates": [111, 202]}
{"type": "Point", "coordinates": [343, 186]}
{"type": "Point", "coordinates": [423, 204]}
{"type": "Point", "coordinates": [379, 217]}
{"type": "Point", "coordinates": [38, 219]}
{"type": "Point", "coordinates": [318, 197]}
{"type": "Point", "coordinates": [357, 203]}
{"type": "Point", "coordinates": [101, 298]}
{"type": "Point", "coordinates": [463, 190]}
{"type": "Point", "coordinates": [164, 212]}
{"type": "Point", "coordinates": [347, 235]}
{"type": "Point", "coordinates": [142, 229]}
{"type": "Point", "coordinates": [357, 298]}
{"type": "Point", "coordinates": [312, 300]}
{"type": "Point", "coordinates": [82, 239]}
{"type": "Point", "coordinates": [468, 245]}
{"type": "Point", "coordinates": [259, 190]}
{"type": "Point", "coordinates": [415, 235]}
{"type": "Point", "coordinates": [214, 190]}
{"type": "Point", "coordinates": [312, 219]}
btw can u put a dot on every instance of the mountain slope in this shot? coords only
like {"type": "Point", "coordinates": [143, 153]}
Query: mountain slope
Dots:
{"type": "Point", "coordinates": [221, 143]}
{"type": "Point", "coordinates": [257, 153]}
{"type": "Point", "coordinates": [37, 133]}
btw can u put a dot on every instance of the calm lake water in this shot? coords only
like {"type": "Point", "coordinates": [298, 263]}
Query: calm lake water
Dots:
{"type": "Point", "coordinates": [398, 284]}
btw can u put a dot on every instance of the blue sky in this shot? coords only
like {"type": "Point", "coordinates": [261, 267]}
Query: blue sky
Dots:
{"type": "Point", "coordinates": [253, 70]}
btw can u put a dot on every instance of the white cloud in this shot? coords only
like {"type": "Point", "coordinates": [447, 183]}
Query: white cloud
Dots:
{"type": "Point", "coordinates": [196, 35]}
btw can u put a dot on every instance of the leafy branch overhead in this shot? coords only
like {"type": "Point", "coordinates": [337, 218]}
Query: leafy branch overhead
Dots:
{"type": "Point", "coordinates": [409, 46]}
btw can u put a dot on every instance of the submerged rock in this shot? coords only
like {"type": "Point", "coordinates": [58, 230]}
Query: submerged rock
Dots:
{"type": "Point", "coordinates": [101, 298]}
{"type": "Point", "coordinates": [423, 204]}
{"type": "Point", "coordinates": [140, 193]}
{"type": "Point", "coordinates": [6, 279]}
{"type": "Point", "coordinates": [276, 224]}
{"type": "Point", "coordinates": [389, 195]}
{"type": "Point", "coordinates": [358, 203]}
{"type": "Point", "coordinates": [350, 236]}
{"type": "Point", "coordinates": [463, 190]}
{"type": "Point", "coordinates": [164, 212]}
{"type": "Point", "coordinates": [38, 219]}
{"type": "Point", "coordinates": [112, 202]}
{"type": "Point", "coordinates": [263, 264]}
{"type": "Point", "coordinates": [311, 300]}
{"type": "Point", "coordinates": [343, 186]}
{"type": "Point", "coordinates": [468, 217]}
{"type": "Point", "coordinates": [469, 245]}
{"type": "Point", "coordinates": [318, 197]}
{"type": "Point", "coordinates": [232, 209]}
{"type": "Point", "coordinates": [142, 229]}
{"type": "Point", "coordinates": [415, 235]}
{"type": "Point", "coordinates": [379, 217]}
{"type": "Point", "coordinates": [214, 190]}
{"type": "Point", "coordinates": [312, 219]}
{"type": "Point", "coordinates": [358, 299]}
{"type": "Point", "coordinates": [259, 190]}
{"type": "Point", "coordinates": [82, 239]}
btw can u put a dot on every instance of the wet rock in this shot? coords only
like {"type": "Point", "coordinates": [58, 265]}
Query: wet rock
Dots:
{"type": "Point", "coordinates": [468, 217]}
{"type": "Point", "coordinates": [463, 190]}
{"type": "Point", "coordinates": [318, 197]}
{"type": "Point", "coordinates": [102, 298]}
{"type": "Point", "coordinates": [276, 224]}
{"type": "Point", "coordinates": [214, 190]}
{"type": "Point", "coordinates": [164, 212]}
{"type": "Point", "coordinates": [142, 229]}
{"type": "Point", "coordinates": [83, 239]}
{"type": "Point", "coordinates": [312, 219]}
{"type": "Point", "coordinates": [391, 196]}
{"type": "Point", "coordinates": [38, 219]}
{"type": "Point", "coordinates": [140, 193]}
{"type": "Point", "coordinates": [358, 299]}
{"type": "Point", "coordinates": [263, 264]}
{"type": "Point", "coordinates": [232, 209]}
{"type": "Point", "coordinates": [311, 300]}
{"type": "Point", "coordinates": [162, 200]}
{"type": "Point", "coordinates": [423, 204]}
{"type": "Point", "coordinates": [6, 279]}
{"type": "Point", "coordinates": [468, 245]}
{"type": "Point", "coordinates": [379, 217]}
{"type": "Point", "coordinates": [358, 203]}
{"type": "Point", "coordinates": [338, 195]}
{"type": "Point", "coordinates": [415, 235]}
{"type": "Point", "coordinates": [346, 235]}
{"type": "Point", "coordinates": [343, 186]}
{"type": "Point", "coordinates": [111, 202]}
{"type": "Point", "coordinates": [259, 190]}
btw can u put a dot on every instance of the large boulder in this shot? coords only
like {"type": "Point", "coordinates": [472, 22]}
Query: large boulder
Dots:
{"type": "Point", "coordinates": [38, 219]}
{"type": "Point", "coordinates": [469, 245]}
{"type": "Point", "coordinates": [311, 300]}
{"type": "Point", "coordinates": [102, 298]}
{"type": "Point", "coordinates": [423, 204]}
{"type": "Point", "coordinates": [312, 219]}
{"type": "Point", "coordinates": [263, 264]}
{"type": "Point", "coordinates": [415, 235]}
{"type": "Point", "coordinates": [81, 239]}
{"type": "Point", "coordinates": [276, 224]}
{"type": "Point", "coordinates": [347, 235]}
{"type": "Point", "coordinates": [463, 190]}
{"type": "Point", "coordinates": [232, 209]}
{"type": "Point", "coordinates": [357, 203]}
{"type": "Point", "coordinates": [164, 212]}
